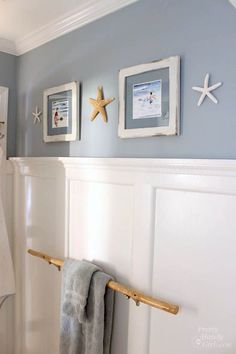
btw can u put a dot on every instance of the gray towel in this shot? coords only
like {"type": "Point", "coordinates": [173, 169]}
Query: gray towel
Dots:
{"type": "Point", "coordinates": [86, 309]}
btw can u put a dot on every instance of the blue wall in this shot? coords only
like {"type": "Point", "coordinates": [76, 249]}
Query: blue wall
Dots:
{"type": "Point", "coordinates": [8, 79]}
{"type": "Point", "coordinates": [202, 32]}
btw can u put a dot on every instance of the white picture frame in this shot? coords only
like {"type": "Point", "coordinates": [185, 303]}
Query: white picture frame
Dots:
{"type": "Point", "coordinates": [4, 98]}
{"type": "Point", "coordinates": [60, 113]}
{"type": "Point", "coordinates": [172, 124]}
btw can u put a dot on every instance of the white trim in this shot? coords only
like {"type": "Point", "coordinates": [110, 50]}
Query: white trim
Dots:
{"type": "Point", "coordinates": [87, 12]}
{"type": "Point", "coordinates": [233, 2]}
{"type": "Point", "coordinates": [222, 168]}
{"type": "Point", "coordinates": [173, 63]}
{"type": "Point", "coordinates": [7, 46]}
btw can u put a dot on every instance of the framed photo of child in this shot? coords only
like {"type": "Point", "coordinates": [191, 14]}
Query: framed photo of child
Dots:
{"type": "Point", "coordinates": [60, 122]}
{"type": "Point", "coordinates": [149, 97]}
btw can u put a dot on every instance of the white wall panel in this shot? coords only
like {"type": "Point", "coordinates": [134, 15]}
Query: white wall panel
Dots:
{"type": "Point", "coordinates": [39, 224]}
{"type": "Point", "coordinates": [42, 284]}
{"type": "Point", "coordinates": [101, 230]}
{"type": "Point", "coordinates": [194, 264]}
{"type": "Point", "coordinates": [101, 224]}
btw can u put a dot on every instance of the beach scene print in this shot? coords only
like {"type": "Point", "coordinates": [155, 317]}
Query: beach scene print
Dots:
{"type": "Point", "coordinates": [60, 113]}
{"type": "Point", "coordinates": [147, 100]}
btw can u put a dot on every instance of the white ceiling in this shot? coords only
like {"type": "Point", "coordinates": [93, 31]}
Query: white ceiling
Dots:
{"type": "Point", "coordinates": [20, 17]}
{"type": "Point", "coordinates": [26, 24]}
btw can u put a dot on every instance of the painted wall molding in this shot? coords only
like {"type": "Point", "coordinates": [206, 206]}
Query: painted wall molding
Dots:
{"type": "Point", "coordinates": [233, 2]}
{"type": "Point", "coordinates": [87, 12]}
{"type": "Point", "coordinates": [224, 168]}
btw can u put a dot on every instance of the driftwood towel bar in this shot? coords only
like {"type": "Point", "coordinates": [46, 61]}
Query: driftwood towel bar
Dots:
{"type": "Point", "coordinates": [129, 292]}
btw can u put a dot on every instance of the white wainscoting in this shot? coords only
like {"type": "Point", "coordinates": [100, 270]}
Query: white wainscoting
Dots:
{"type": "Point", "coordinates": [166, 227]}
{"type": "Point", "coordinates": [6, 312]}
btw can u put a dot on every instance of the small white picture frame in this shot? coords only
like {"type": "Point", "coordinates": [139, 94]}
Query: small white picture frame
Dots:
{"type": "Point", "coordinates": [60, 118]}
{"type": "Point", "coordinates": [149, 99]}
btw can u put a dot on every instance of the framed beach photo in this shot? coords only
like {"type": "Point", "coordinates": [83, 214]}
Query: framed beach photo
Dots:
{"type": "Point", "coordinates": [149, 97]}
{"type": "Point", "coordinates": [60, 121]}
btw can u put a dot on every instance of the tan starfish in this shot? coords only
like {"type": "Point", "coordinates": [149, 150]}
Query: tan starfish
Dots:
{"type": "Point", "coordinates": [99, 105]}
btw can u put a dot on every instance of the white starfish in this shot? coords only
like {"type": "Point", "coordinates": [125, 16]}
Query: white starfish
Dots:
{"type": "Point", "coordinates": [36, 115]}
{"type": "Point", "coordinates": [206, 90]}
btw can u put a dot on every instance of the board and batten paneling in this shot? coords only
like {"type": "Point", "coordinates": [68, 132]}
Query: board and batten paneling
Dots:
{"type": "Point", "coordinates": [166, 227]}
{"type": "Point", "coordinates": [7, 310]}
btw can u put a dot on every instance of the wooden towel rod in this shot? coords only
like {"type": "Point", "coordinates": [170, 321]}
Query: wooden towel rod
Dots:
{"type": "Point", "coordinates": [129, 292]}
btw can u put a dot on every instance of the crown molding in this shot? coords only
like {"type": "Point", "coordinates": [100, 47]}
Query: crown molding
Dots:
{"type": "Point", "coordinates": [233, 2]}
{"type": "Point", "coordinates": [87, 12]}
{"type": "Point", "coordinates": [7, 46]}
